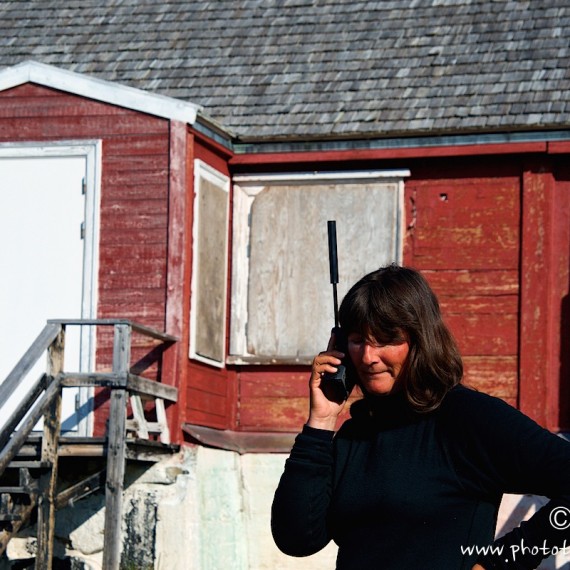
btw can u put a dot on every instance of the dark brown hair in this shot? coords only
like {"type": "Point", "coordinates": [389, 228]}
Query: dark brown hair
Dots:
{"type": "Point", "coordinates": [394, 300]}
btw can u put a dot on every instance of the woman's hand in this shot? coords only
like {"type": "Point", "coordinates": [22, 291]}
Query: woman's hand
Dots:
{"type": "Point", "coordinates": [324, 412]}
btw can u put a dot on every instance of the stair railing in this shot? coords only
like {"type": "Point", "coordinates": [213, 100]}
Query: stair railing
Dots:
{"type": "Point", "coordinates": [43, 399]}
{"type": "Point", "coordinates": [40, 395]}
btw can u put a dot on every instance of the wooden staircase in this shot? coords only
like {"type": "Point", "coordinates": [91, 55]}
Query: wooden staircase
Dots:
{"type": "Point", "coordinates": [30, 489]}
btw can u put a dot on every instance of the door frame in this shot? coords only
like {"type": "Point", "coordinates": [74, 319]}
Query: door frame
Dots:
{"type": "Point", "coordinates": [91, 150]}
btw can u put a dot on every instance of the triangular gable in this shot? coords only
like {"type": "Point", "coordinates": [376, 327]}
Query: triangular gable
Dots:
{"type": "Point", "coordinates": [99, 90]}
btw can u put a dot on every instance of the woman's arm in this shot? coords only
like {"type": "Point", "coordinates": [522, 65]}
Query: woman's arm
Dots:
{"type": "Point", "coordinates": [503, 451]}
{"type": "Point", "coordinates": [300, 506]}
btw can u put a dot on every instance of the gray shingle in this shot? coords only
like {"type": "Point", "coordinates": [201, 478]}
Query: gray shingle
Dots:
{"type": "Point", "coordinates": [314, 68]}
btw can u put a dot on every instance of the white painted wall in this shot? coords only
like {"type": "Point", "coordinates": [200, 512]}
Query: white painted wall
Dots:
{"type": "Point", "coordinates": [212, 513]}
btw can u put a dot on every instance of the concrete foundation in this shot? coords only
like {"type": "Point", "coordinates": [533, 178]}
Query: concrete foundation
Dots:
{"type": "Point", "coordinates": [202, 509]}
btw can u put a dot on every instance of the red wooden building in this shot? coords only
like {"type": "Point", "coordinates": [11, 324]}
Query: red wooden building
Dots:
{"type": "Point", "coordinates": [488, 223]}
{"type": "Point", "coordinates": [173, 164]}
{"type": "Point", "coordinates": [199, 221]}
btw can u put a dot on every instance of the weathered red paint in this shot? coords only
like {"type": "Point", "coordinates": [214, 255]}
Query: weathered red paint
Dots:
{"type": "Point", "coordinates": [134, 193]}
{"type": "Point", "coordinates": [544, 295]}
{"type": "Point", "coordinates": [178, 254]}
{"type": "Point", "coordinates": [211, 152]}
{"type": "Point", "coordinates": [487, 224]}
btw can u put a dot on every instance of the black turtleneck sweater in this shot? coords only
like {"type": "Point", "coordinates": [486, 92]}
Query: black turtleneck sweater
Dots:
{"type": "Point", "coordinates": [401, 490]}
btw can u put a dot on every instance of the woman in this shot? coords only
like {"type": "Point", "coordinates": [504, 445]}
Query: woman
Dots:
{"type": "Point", "coordinates": [413, 480]}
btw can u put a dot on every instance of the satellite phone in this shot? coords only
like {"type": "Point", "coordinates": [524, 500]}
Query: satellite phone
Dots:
{"type": "Point", "coordinates": [338, 385]}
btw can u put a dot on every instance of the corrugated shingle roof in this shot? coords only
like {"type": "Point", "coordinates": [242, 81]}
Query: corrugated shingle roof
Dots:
{"type": "Point", "coordinates": [308, 69]}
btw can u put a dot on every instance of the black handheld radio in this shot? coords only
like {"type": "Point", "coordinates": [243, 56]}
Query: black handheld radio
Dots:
{"type": "Point", "coordinates": [337, 386]}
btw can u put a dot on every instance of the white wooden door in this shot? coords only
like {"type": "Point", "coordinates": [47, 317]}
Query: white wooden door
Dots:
{"type": "Point", "coordinates": [42, 236]}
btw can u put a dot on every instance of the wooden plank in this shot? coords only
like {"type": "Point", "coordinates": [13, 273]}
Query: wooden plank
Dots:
{"type": "Point", "coordinates": [559, 147]}
{"type": "Point", "coordinates": [270, 158]}
{"type": "Point", "coordinates": [26, 363]}
{"type": "Point", "coordinates": [126, 236]}
{"type": "Point", "coordinates": [153, 162]}
{"type": "Point", "coordinates": [20, 412]}
{"type": "Point", "coordinates": [121, 219]}
{"type": "Point", "coordinates": [544, 254]}
{"type": "Point", "coordinates": [276, 384]}
{"type": "Point", "coordinates": [199, 397]}
{"type": "Point", "coordinates": [136, 144]}
{"type": "Point", "coordinates": [139, 424]}
{"type": "Point", "coordinates": [204, 417]}
{"type": "Point", "coordinates": [490, 282]}
{"type": "Point", "coordinates": [137, 384]}
{"type": "Point", "coordinates": [495, 375]}
{"type": "Point", "coordinates": [153, 333]}
{"type": "Point", "coordinates": [136, 252]}
{"type": "Point", "coordinates": [116, 453]}
{"type": "Point", "coordinates": [145, 387]}
{"type": "Point", "coordinates": [137, 327]}
{"type": "Point", "coordinates": [29, 90]}
{"type": "Point", "coordinates": [92, 379]}
{"type": "Point", "coordinates": [51, 107]}
{"type": "Point", "coordinates": [140, 176]}
{"type": "Point", "coordinates": [149, 297]}
{"type": "Point", "coordinates": [132, 310]}
{"type": "Point", "coordinates": [121, 208]}
{"type": "Point", "coordinates": [479, 305]}
{"type": "Point", "coordinates": [19, 438]}
{"type": "Point", "coordinates": [83, 450]}
{"type": "Point", "coordinates": [81, 489]}
{"type": "Point", "coordinates": [136, 270]}
{"type": "Point", "coordinates": [122, 288]}
{"type": "Point", "coordinates": [86, 126]}
{"type": "Point", "coordinates": [467, 224]}
{"type": "Point", "coordinates": [485, 334]}
{"type": "Point", "coordinates": [274, 414]}
{"type": "Point", "coordinates": [208, 379]}
{"type": "Point", "coordinates": [48, 479]}
{"type": "Point", "coordinates": [269, 360]}
{"type": "Point", "coordinates": [211, 152]}
{"type": "Point", "coordinates": [162, 421]}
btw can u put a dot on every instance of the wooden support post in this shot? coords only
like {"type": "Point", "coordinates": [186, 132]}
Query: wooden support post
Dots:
{"type": "Point", "coordinates": [116, 450]}
{"type": "Point", "coordinates": [162, 421]}
{"type": "Point", "coordinates": [50, 441]}
{"type": "Point", "coordinates": [138, 414]}
{"type": "Point", "coordinates": [545, 241]}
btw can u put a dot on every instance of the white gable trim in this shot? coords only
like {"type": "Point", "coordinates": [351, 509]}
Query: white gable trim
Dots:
{"type": "Point", "coordinates": [99, 90]}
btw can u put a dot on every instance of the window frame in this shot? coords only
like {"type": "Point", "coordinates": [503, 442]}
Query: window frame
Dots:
{"type": "Point", "coordinates": [245, 190]}
{"type": "Point", "coordinates": [203, 171]}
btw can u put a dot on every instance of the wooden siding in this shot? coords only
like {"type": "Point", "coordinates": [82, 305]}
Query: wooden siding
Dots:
{"type": "Point", "coordinates": [470, 223]}
{"type": "Point", "coordinates": [463, 233]}
{"type": "Point", "coordinates": [562, 270]}
{"type": "Point", "coordinates": [545, 260]}
{"type": "Point", "coordinates": [134, 194]}
{"type": "Point", "coordinates": [210, 397]}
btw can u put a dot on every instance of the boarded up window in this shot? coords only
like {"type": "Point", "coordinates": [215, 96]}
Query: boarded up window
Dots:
{"type": "Point", "coordinates": [282, 308]}
{"type": "Point", "coordinates": [209, 268]}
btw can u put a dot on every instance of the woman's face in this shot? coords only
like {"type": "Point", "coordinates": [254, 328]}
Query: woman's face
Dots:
{"type": "Point", "coordinates": [378, 365]}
